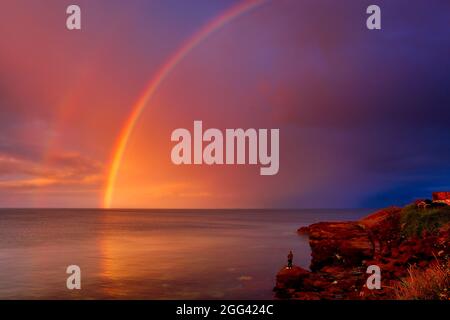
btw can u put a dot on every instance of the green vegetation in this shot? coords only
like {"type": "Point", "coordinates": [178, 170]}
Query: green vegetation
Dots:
{"type": "Point", "coordinates": [416, 220]}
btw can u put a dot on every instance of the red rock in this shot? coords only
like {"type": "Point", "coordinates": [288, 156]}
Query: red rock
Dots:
{"type": "Point", "coordinates": [423, 264]}
{"type": "Point", "coordinates": [287, 278]}
{"type": "Point", "coordinates": [445, 228]}
{"type": "Point", "coordinates": [341, 252]}
{"type": "Point", "coordinates": [344, 243]}
{"type": "Point", "coordinates": [303, 230]}
{"type": "Point", "coordinates": [443, 196]}
{"type": "Point", "coordinates": [394, 252]}
{"type": "Point", "coordinates": [379, 218]}
{"type": "Point", "coordinates": [332, 269]}
{"type": "Point", "coordinates": [307, 296]}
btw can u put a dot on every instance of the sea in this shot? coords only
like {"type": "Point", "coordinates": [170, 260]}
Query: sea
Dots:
{"type": "Point", "coordinates": [152, 254]}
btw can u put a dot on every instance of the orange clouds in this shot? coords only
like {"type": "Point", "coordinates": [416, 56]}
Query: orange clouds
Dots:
{"type": "Point", "coordinates": [62, 170]}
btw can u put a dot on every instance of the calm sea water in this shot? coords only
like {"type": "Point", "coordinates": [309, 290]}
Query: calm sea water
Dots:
{"type": "Point", "coordinates": [152, 254]}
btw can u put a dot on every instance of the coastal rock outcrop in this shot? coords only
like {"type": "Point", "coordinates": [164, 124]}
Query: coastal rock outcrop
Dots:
{"type": "Point", "coordinates": [291, 277]}
{"type": "Point", "coordinates": [342, 251]}
{"type": "Point", "coordinates": [345, 243]}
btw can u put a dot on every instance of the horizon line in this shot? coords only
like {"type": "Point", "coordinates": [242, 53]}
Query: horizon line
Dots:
{"type": "Point", "coordinates": [186, 209]}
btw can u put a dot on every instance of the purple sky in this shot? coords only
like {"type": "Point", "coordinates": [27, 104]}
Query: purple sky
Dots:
{"type": "Point", "coordinates": [364, 115]}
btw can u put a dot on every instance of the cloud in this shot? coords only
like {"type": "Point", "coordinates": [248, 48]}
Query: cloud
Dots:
{"type": "Point", "coordinates": [69, 169]}
{"type": "Point", "coordinates": [245, 278]}
{"type": "Point", "coordinates": [360, 112]}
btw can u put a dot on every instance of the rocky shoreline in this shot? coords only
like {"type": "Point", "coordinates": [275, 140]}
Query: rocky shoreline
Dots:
{"type": "Point", "coordinates": [342, 252]}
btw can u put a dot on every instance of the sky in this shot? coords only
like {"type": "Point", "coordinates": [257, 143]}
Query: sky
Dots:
{"type": "Point", "coordinates": [364, 115]}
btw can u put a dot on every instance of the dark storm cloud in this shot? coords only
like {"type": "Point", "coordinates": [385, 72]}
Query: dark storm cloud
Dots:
{"type": "Point", "coordinates": [354, 78]}
{"type": "Point", "coordinates": [385, 93]}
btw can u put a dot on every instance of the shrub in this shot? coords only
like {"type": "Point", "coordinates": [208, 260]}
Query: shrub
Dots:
{"type": "Point", "coordinates": [432, 283]}
{"type": "Point", "coordinates": [416, 220]}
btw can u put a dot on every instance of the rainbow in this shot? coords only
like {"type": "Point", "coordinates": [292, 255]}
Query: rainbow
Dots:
{"type": "Point", "coordinates": [159, 77]}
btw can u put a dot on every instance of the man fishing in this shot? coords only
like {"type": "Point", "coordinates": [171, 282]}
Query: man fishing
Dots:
{"type": "Point", "coordinates": [290, 257]}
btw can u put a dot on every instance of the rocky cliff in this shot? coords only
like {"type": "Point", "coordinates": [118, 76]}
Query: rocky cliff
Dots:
{"type": "Point", "coordinates": [342, 251]}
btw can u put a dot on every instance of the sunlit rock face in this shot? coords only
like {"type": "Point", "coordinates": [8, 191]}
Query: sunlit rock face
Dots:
{"type": "Point", "coordinates": [343, 252]}
{"type": "Point", "coordinates": [443, 196]}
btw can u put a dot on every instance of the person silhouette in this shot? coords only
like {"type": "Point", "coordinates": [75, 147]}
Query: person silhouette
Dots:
{"type": "Point", "coordinates": [290, 257]}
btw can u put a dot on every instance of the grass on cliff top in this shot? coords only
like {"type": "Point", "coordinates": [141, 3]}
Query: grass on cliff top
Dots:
{"type": "Point", "coordinates": [415, 221]}
{"type": "Point", "coordinates": [430, 284]}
